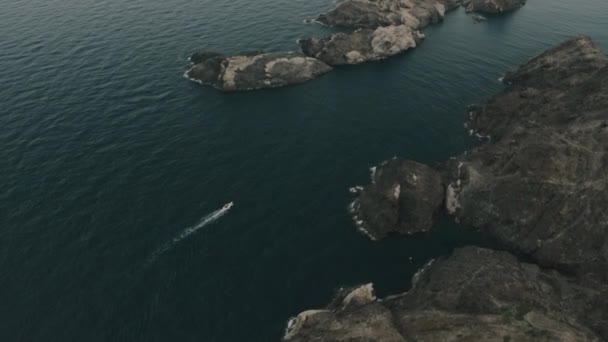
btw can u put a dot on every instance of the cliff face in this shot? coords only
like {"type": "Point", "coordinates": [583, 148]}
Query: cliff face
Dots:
{"type": "Point", "coordinates": [539, 187]}
{"type": "Point", "coordinates": [474, 295]}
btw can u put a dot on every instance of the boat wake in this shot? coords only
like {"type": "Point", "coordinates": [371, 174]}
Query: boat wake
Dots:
{"type": "Point", "coordinates": [204, 221]}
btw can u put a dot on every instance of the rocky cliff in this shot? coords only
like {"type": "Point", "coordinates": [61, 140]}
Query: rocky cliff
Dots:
{"type": "Point", "coordinates": [474, 295]}
{"type": "Point", "coordinates": [538, 187]}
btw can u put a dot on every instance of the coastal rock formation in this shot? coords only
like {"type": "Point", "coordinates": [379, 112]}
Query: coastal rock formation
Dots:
{"type": "Point", "coordinates": [540, 186]}
{"type": "Point", "coordinates": [254, 70]}
{"type": "Point", "coordinates": [403, 198]}
{"type": "Point", "coordinates": [492, 6]}
{"type": "Point", "coordinates": [374, 13]}
{"type": "Point", "coordinates": [474, 295]}
{"type": "Point", "coordinates": [362, 45]}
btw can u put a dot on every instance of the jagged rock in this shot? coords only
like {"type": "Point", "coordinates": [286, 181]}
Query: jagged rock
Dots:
{"type": "Point", "coordinates": [492, 6]}
{"type": "Point", "coordinates": [474, 295]}
{"type": "Point", "coordinates": [374, 13]}
{"type": "Point", "coordinates": [363, 45]}
{"type": "Point", "coordinates": [540, 185]}
{"type": "Point", "coordinates": [403, 197]}
{"type": "Point", "coordinates": [254, 70]}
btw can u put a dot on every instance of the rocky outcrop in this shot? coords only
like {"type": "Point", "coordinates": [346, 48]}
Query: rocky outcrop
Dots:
{"type": "Point", "coordinates": [540, 185]}
{"type": "Point", "coordinates": [363, 45]}
{"type": "Point", "coordinates": [404, 197]}
{"type": "Point", "coordinates": [492, 6]}
{"type": "Point", "coordinates": [385, 28]}
{"type": "Point", "coordinates": [254, 70]}
{"type": "Point", "coordinates": [474, 295]}
{"type": "Point", "coordinates": [375, 13]}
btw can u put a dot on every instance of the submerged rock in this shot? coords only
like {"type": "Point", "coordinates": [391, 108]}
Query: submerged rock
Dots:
{"type": "Point", "coordinates": [474, 295]}
{"type": "Point", "coordinates": [374, 13]}
{"type": "Point", "coordinates": [363, 45]}
{"type": "Point", "coordinates": [492, 6]}
{"type": "Point", "coordinates": [254, 70]}
{"type": "Point", "coordinates": [404, 197]}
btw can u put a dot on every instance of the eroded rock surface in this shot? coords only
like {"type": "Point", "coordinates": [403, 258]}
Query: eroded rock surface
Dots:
{"type": "Point", "coordinates": [374, 13]}
{"type": "Point", "coordinates": [492, 6]}
{"type": "Point", "coordinates": [404, 197]}
{"type": "Point", "coordinates": [363, 45]}
{"type": "Point", "coordinates": [254, 70]}
{"type": "Point", "coordinates": [474, 295]}
{"type": "Point", "coordinates": [540, 185]}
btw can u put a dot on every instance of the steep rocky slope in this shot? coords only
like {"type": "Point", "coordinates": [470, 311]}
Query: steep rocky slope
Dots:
{"type": "Point", "coordinates": [538, 187]}
{"type": "Point", "coordinates": [474, 295]}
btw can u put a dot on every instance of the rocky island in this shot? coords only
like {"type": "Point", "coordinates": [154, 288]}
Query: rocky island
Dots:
{"type": "Point", "coordinates": [383, 28]}
{"type": "Point", "coordinates": [254, 70]}
{"type": "Point", "coordinates": [404, 197]}
{"type": "Point", "coordinates": [538, 187]}
{"type": "Point", "coordinates": [376, 13]}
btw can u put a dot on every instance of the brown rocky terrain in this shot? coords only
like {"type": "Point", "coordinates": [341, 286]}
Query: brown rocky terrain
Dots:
{"type": "Point", "coordinates": [383, 28]}
{"type": "Point", "coordinates": [474, 295]}
{"type": "Point", "coordinates": [538, 187]}
{"type": "Point", "coordinates": [254, 70]}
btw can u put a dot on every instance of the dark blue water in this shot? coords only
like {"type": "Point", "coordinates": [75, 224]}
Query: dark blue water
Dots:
{"type": "Point", "coordinates": [107, 154]}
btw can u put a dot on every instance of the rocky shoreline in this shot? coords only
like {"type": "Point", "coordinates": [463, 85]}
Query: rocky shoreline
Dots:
{"type": "Point", "coordinates": [254, 70]}
{"type": "Point", "coordinates": [363, 45]}
{"type": "Point", "coordinates": [538, 187]}
{"type": "Point", "coordinates": [474, 295]}
{"type": "Point", "coordinates": [382, 28]}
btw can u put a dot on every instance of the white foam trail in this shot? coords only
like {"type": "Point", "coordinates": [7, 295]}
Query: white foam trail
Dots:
{"type": "Point", "coordinates": [313, 21]}
{"type": "Point", "coordinates": [204, 221]}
